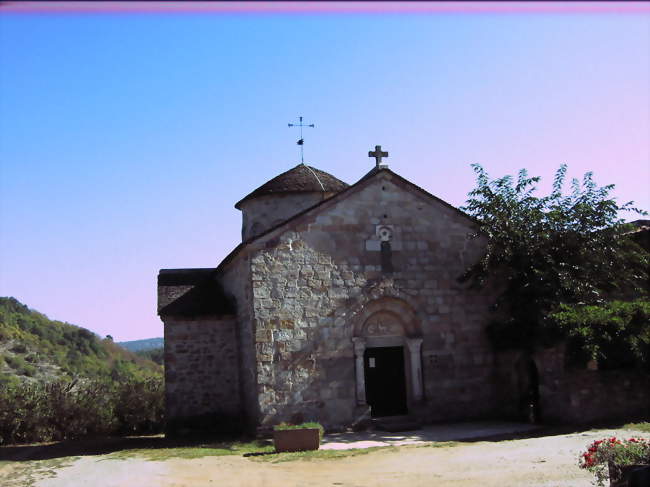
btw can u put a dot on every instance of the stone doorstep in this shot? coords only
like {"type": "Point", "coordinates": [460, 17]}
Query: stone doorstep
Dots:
{"type": "Point", "coordinates": [394, 424]}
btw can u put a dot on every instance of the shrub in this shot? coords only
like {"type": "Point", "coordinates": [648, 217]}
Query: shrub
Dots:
{"type": "Point", "coordinates": [140, 405]}
{"type": "Point", "coordinates": [33, 412]}
{"type": "Point", "coordinates": [20, 366]}
{"type": "Point", "coordinates": [12, 361]}
{"type": "Point", "coordinates": [601, 453]}
{"type": "Point", "coordinates": [80, 408]}
{"type": "Point", "coordinates": [18, 348]}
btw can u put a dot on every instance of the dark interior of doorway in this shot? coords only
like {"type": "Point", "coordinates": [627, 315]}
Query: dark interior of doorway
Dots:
{"type": "Point", "coordinates": [385, 381]}
{"type": "Point", "coordinates": [528, 391]}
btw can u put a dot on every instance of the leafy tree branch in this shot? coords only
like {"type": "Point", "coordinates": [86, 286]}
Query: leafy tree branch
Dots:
{"type": "Point", "coordinates": [545, 251]}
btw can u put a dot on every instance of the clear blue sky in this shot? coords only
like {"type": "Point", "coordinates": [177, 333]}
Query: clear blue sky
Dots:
{"type": "Point", "coordinates": [125, 139]}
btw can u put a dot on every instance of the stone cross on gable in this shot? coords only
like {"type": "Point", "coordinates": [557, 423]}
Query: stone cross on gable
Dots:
{"type": "Point", "coordinates": [377, 154]}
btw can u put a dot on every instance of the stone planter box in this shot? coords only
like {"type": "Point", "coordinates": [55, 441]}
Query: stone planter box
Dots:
{"type": "Point", "coordinates": [296, 439]}
{"type": "Point", "coordinates": [628, 475]}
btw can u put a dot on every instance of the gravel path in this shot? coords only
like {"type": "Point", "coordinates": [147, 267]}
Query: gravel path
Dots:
{"type": "Point", "coordinates": [548, 461]}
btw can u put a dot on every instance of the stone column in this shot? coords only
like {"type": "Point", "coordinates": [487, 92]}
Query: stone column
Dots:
{"type": "Point", "coordinates": [414, 346]}
{"type": "Point", "coordinates": [359, 349]}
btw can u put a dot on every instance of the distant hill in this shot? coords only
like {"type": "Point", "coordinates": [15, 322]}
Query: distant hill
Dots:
{"type": "Point", "coordinates": [33, 347]}
{"type": "Point", "coordinates": [141, 345]}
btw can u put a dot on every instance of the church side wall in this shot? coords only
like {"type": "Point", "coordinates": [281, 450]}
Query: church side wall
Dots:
{"type": "Point", "coordinates": [201, 374]}
{"type": "Point", "coordinates": [236, 282]}
{"type": "Point", "coordinates": [311, 282]}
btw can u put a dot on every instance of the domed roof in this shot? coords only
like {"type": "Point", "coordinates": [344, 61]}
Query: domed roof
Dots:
{"type": "Point", "coordinates": [300, 179]}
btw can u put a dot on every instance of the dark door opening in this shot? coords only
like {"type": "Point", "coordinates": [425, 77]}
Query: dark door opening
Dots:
{"type": "Point", "coordinates": [528, 391]}
{"type": "Point", "coordinates": [385, 381]}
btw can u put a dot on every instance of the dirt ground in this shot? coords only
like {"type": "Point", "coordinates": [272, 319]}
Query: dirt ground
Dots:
{"type": "Point", "coordinates": [549, 461]}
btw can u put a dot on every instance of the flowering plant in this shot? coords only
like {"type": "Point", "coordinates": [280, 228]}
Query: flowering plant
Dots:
{"type": "Point", "coordinates": [603, 453]}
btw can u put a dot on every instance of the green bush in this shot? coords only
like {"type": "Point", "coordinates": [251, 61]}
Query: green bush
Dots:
{"type": "Point", "coordinates": [20, 366]}
{"type": "Point", "coordinates": [33, 412]}
{"type": "Point", "coordinates": [139, 406]}
{"type": "Point", "coordinates": [19, 348]}
{"type": "Point", "coordinates": [12, 361]}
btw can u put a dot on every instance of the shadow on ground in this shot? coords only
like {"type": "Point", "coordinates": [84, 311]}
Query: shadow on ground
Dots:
{"type": "Point", "coordinates": [471, 432]}
{"type": "Point", "coordinates": [104, 446]}
{"type": "Point", "coordinates": [457, 433]}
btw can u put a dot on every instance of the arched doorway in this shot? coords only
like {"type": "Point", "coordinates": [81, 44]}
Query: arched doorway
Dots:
{"type": "Point", "coordinates": [387, 346]}
{"type": "Point", "coordinates": [527, 386]}
{"type": "Point", "coordinates": [384, 366]}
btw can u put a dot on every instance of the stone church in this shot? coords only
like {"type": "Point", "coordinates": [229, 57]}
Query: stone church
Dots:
{"type": "Point", "coordinates": [341, 303]}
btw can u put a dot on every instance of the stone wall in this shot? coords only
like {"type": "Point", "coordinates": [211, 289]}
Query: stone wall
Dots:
{"type": "Point", "coordinates": [263, 212]}
{"type": "Point", "coordinates": [202, 372]}
{"type": "Point", "coordinates": [236, 282]}
{"type": "Point", "coordinates": [311, 282]}
{"type": "Point", "coordinates": [588, 396]}
{"type": "Point", "coordinates": [168, 294]}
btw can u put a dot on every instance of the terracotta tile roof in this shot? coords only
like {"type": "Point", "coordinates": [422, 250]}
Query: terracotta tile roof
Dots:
{"type": "Point", "coordinates": [206, 298]}
{"type": "Point", "coordinates": [300, 179]}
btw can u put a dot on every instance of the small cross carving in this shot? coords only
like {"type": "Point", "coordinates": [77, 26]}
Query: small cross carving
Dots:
{"type": "Point", "coordinates": [377, 154]}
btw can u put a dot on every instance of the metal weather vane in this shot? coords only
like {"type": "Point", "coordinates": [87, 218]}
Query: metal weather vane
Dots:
{"type": "Point", "coordinates": [301, 141]}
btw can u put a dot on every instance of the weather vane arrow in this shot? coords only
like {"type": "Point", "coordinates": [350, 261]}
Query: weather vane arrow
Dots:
{"type": "Point", "coordinates": [301, 141]}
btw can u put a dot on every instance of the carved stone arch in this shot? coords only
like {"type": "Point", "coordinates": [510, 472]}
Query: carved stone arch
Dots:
{"type": "Point", "coordinates": [383, 323]}
{"type": "Point", "coordinates": [369, 301]}
{"type": "Point", "coordinates": [397, 309]}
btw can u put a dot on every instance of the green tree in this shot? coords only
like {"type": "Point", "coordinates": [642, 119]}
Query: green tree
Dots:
{"type": "Point", "coordinates": [616, 333]}
{"type": "Point", "coordinates": [546, 251]}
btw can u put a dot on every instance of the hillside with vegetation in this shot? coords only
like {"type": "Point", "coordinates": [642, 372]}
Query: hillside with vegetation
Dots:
{"type": "Point", "coordinates": [149, 348]}
{"type": "Point", "coordinates": [155, 355]}
{"type": "Point", "coordinates": [34, 347]}
{"type": "Point", "coordinates": [60, 381]}
{"type": "Point", "coordinates": [143, 345]}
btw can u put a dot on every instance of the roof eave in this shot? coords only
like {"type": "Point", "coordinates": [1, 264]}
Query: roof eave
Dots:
{"type": "Point", "coordinates": [253, 196]}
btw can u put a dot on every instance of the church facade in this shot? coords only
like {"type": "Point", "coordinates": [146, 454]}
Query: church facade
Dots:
{"type": "Point", "coordinates": [342, 303]}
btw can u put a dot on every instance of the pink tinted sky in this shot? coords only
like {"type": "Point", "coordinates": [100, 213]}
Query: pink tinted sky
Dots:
{"type": "Point", "coordinates": [125, 138]}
